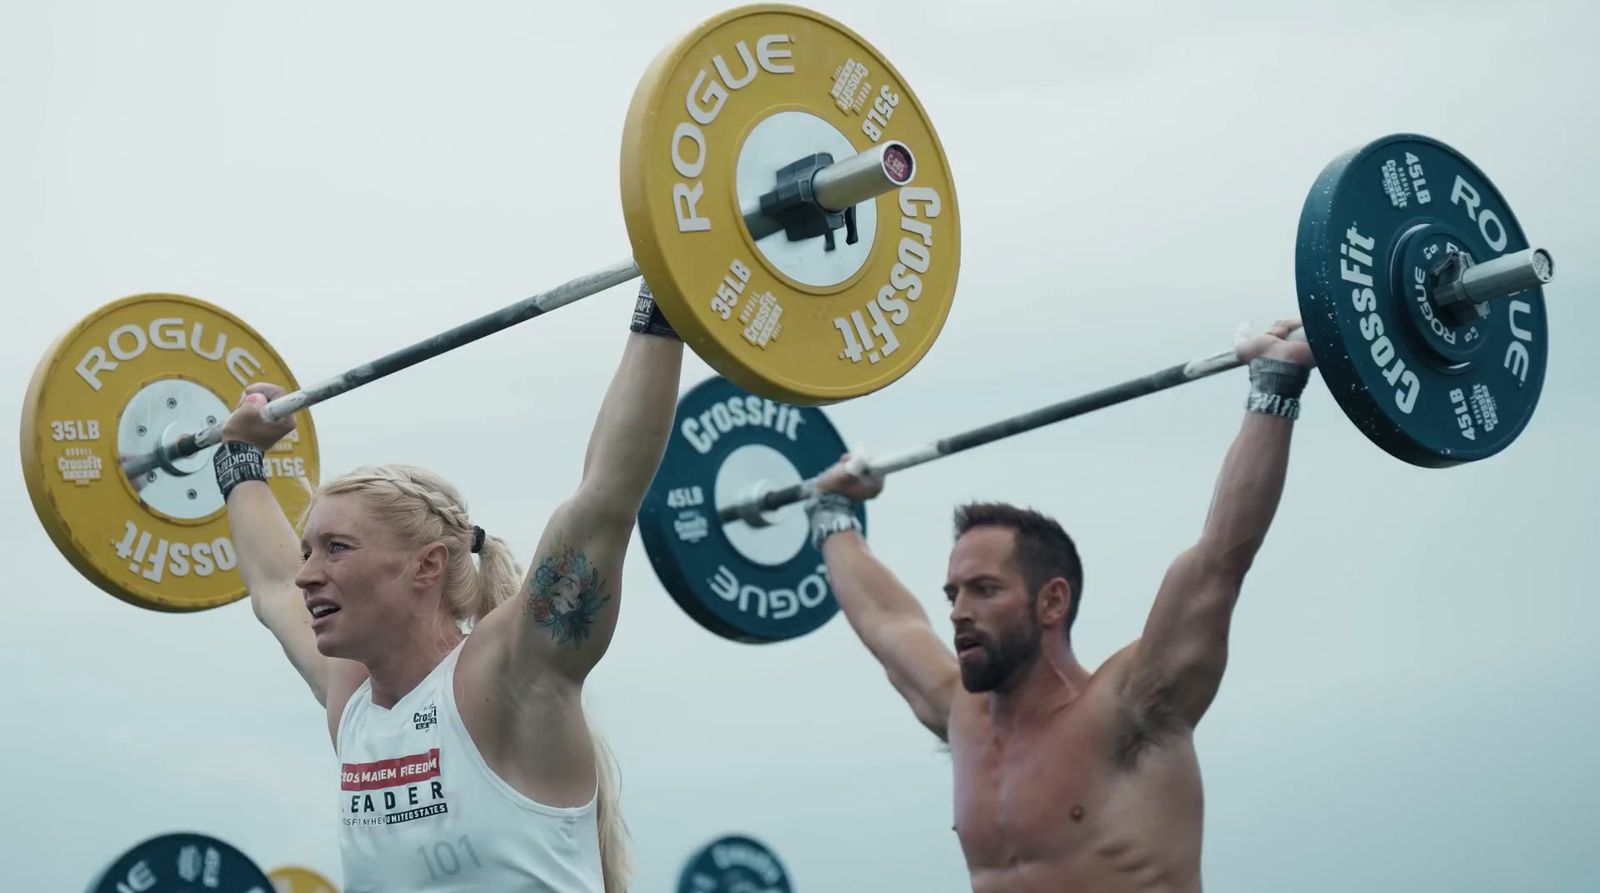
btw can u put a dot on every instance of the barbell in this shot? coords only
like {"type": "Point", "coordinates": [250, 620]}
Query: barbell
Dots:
{"type": "Point", "coordinates": [1418, 291]}
{"type": "Point", "coordinates": [1419, 296]}
{"type": "Point", "coordinates": [787, 201]}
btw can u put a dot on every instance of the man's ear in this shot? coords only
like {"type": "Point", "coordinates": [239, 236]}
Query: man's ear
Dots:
{"type": "Point", "coordinates": [1054, 602]}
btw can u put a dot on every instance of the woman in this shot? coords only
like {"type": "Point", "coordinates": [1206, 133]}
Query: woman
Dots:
{"type": "Point", "coordinates": [456, 708]}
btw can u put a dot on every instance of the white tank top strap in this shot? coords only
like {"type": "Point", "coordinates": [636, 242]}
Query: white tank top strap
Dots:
{"type": "Point", "coordinates": [452, 714]}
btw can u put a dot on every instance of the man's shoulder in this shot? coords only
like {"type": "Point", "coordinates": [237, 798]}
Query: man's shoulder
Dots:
{"type": "Point", "coordinates": [1113, 672]}
{"type": "Point", "coordinates": [1105, 710]}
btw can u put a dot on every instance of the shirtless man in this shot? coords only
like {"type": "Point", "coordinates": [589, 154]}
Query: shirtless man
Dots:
{"type": "Point", "coordinates": [1067, 779]}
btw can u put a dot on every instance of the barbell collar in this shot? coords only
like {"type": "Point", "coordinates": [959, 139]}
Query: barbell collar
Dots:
{"type": "Point", "coordinates": [1501, 277]}
{"type": "Point", "coordinates": [844, 184]}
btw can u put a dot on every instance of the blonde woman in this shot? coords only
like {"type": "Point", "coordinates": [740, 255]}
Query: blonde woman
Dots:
{"type": "Point", "coordinates": [453, 693]}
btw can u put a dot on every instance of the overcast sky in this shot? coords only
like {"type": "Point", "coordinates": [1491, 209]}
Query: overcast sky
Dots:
{"type": "Point", "coordinates": [1410, 700]}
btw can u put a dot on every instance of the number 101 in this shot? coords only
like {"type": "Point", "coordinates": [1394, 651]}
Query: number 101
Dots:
{"type": "Point", "coordinates": [443, 859]}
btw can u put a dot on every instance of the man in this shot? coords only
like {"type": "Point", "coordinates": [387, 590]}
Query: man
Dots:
{"type": "Point", "coordinates": [1067, 779]}
{"type": "Point", "coordinates": [467, 761]}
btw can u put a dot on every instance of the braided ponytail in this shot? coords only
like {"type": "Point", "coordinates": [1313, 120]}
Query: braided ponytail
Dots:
{"type": "Point", "coordinates": [422, 507]}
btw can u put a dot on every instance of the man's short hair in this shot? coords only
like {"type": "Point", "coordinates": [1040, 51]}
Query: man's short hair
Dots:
{"type": "Point", "coordinates": [1043, 550]}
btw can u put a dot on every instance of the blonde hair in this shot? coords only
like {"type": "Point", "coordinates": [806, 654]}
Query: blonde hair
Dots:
{"type": "Point", "coordinates": [421, 507]}
{"type": "Point", "coordinates": [615, 866]}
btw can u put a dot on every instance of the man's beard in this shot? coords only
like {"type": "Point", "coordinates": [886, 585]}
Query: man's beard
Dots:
{"type": "Point", "coordinates": [1001, 659]}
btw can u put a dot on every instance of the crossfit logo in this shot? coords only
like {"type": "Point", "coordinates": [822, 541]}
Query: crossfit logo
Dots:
{"type": "Point", "coordinates": [1484, 408]}
{"type": "Point", "coordinates": [1399, 195]}
{"type": "Point", "coordinates": [388, 792]}
{"type": "Point", "coordinates": [424, 719]}
{"type": "Point", "coordinates": [760, 317]}
{"type": "Point", "coordinates": [1399, 181]}
{"type": "Point", "coordinates": [850, 87]}
{"type": "Point", "coordinates": [691, 527]}
{"type": "Point", "coordinates": [888, 309]}
{"type": "Point", "coordinates": [79, 465]}
{"type": "Point", "coordinates": [1355, 268]}
{"type": "Point", "coordinates": [736, 412]}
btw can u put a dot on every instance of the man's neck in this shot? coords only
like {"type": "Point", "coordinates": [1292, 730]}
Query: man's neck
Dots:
{"type": "Point", "coordinates": [1051, 681]}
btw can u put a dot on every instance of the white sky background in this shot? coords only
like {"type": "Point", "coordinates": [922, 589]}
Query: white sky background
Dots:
{"type": "Point", "coordinates": [1409, 703]}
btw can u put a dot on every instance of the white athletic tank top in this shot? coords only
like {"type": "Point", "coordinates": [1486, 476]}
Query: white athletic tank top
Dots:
{"type": "Point", "coordinates": [421, 810]}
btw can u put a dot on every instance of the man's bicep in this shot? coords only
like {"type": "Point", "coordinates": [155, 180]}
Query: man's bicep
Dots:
{"type": "Point", "coordinates": [921, 668]}
{"type": "Point", "coordinates": [1179, 661]}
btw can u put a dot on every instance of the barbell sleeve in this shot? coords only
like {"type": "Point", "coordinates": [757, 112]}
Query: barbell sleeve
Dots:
{"type": "Point", "coordinates": [1501, 277]}
{"type": "Point", "coordinates": [843, 184]}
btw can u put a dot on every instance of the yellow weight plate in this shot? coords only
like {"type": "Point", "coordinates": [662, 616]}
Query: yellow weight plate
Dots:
{"type": "Point", "coordinates": [717, 114]}
{"type": "Point", "coordinates": [131, 374]}
{"type": "Point", "coordinates": [294, 879]}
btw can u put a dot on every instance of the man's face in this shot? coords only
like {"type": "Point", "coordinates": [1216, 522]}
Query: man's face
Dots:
{"type": "Point", "coordinates": [991, 609]}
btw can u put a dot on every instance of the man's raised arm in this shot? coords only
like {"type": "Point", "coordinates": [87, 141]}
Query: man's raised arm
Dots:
{"type": "Point", "coordinates": [1178, 663]}
{"type": "Point", "coordinates": [885, 615]}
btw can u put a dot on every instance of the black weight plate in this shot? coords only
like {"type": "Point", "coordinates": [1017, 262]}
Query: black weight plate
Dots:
{"type": "Point", "coordinates": [179, 863]}
{"type": "Point", "coordinates": [734, 864]}
{"type": "Point", "coordinates": [741, 583]}
{"type": "Point", "coordinates": [1430, 393]}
